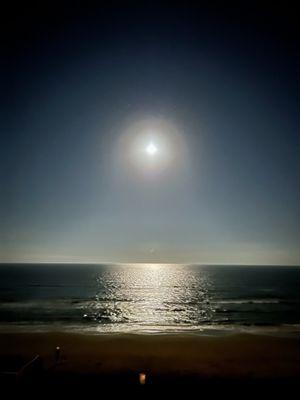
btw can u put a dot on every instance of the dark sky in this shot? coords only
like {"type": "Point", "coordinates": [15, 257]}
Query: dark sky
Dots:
{"type": "Point", "coordinates": [217, 82]}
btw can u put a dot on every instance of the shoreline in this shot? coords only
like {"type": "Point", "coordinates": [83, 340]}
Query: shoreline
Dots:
{"type": "Point", "coordinates": [283, 331]}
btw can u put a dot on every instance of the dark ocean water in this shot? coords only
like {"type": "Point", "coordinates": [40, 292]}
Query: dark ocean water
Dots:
{"type": "Point", "coordinates": [149, 297]}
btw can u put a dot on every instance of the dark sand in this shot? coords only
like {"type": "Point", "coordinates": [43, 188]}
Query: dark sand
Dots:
{"type": "Point", "coordinates": [169, 360]}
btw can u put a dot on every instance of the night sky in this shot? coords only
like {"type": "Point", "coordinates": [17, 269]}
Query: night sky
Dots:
{"type": "Point", "coordinates": [218, 82]}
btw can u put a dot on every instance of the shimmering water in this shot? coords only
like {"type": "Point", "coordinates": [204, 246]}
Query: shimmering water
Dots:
{"type": "Point", "coordinates": [148, 297]}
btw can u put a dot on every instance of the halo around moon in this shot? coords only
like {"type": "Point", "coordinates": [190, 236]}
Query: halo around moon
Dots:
{"type": "Point", "coordinates": [150, 146]}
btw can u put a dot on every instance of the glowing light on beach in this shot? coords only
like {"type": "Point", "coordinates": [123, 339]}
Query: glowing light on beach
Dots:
{"type": "Point", "coordinates": [57, 353]}
{"type": "Point", "coordinates": [142, 378]}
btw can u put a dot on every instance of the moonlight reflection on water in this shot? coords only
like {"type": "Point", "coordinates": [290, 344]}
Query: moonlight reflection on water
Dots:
{"type": "Point", "coordinates": [158, 295]}
{"type": "Point", "coordinates": [157, 298]}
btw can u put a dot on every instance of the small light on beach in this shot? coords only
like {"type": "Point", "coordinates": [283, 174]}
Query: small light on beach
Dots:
{"type": "Point", "coordinates": [57, 353]}
{"type": "Point", "coordinates": [142, 378]}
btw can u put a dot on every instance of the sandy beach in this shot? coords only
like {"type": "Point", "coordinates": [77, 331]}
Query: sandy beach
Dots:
{"type": "Point", "coordinates": [179, 359]}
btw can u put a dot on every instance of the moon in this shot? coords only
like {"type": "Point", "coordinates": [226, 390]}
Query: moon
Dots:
{"type": "Point", "coordinates": [151, 149]}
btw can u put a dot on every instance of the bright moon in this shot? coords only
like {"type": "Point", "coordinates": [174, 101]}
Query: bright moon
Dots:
{"type": "Point", "coordinates": [151, 149]}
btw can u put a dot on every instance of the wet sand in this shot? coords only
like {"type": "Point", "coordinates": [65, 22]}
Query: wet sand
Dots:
{"type": "Point", "coordinates": [166, 359]}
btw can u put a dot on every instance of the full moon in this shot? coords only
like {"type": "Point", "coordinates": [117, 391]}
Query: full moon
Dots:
{"type": "Point", "coordinates": [151, 149]}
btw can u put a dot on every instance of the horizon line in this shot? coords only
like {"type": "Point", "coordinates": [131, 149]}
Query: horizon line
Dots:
{"type": "Point", "coordinates": [148, 263]}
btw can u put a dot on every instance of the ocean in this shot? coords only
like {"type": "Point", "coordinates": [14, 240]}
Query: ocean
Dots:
{"type": "Point", "coordinates": [150, 298]}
